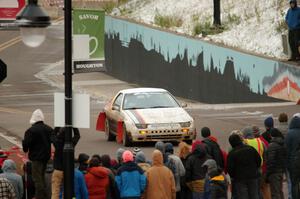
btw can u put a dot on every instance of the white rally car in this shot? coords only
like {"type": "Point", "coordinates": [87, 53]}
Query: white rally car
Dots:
{"type": "Point", "coordinates": [146, 114]}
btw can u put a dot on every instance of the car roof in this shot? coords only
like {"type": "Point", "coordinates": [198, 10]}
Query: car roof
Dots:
{"type": "Point", "coordinates": [142, 90]}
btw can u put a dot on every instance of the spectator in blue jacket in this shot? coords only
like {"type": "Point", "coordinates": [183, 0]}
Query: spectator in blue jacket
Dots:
{"type": "Point", "coordinates": [80, 188]}
{"type": "Point", "coordinates": [81, 191]}
{"type": "Point", "coordinates": [293, 21]}
{"type": "Point", "coordinates": [130, 178]}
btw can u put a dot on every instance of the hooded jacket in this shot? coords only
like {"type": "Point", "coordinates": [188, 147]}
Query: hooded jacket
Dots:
{"type": "Point", "coordinates": [211, 165]}
{"type": "Point", "coordinates": [276, 156]}
{"type": "Point", "coordinates": [10, 173]}
{"type": "Point", "coordinates": [292, 140]}
{"type": "Point", "coordinates": [161, 147]}
{"type": "Point", "coordinates": [160, 180]}
{"type": "Point", "coordinates": [37, 139]}
{"type": "Point", "coordinates": [214, 150]}
{"type": "Point", "coordinates": [293, 18]}
{"type": "Point", "coordinates": [194, 169]}
{"type": "Point", "coordinates": [97, 181]}
{"type": "Point", "coordinates": [130, 180]}
{"type": "Point", "coordinates": [179, 168]}
{"type": "Point", "coordinates": [80, 188]}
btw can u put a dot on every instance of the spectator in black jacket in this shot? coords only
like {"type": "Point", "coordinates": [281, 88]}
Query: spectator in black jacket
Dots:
{"type": "Point", "coordinates": [37, 143]}
{"type": "Point", "coordinates": [275, 161]}
{"type": "Point", "coordinates": [292, 142]}
{"type": "Point", "coordinates": [194, 172]}
{"type": "Point", "coordinates": [243, 163]}
{"type": "Point", "coordinates": [58, 140]}
{"type": "Point", "coordinates": [212, 147]}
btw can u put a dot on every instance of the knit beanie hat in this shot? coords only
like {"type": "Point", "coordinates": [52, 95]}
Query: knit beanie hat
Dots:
{"type": "Point", "coordinates": [256, 131]}
{"type": "Point", "coordinates": [269, 122]}
{"type": "Point", "coordinates": [135, 151]}
{"type": "Point", "coordinates": [169, 148]}
{"type": "Point", "coordinates": [205, 132]}
{"type": "Point", "coordinates": [120, 152]}
{"type": "Point", "coordinates": [127, 156]}
{"type": "Point", "coordinates": [276, 133]}
{"type": "Point", "coordinates": [235, 140]}
{"type": "Point", "coordinates": [248, 133]}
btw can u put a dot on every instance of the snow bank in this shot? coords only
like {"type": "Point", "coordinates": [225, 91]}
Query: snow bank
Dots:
{"type": "Point", "coordinates": [255, 27]}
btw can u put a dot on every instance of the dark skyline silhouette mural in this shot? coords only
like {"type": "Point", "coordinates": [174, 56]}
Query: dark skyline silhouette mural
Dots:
{"type": "Point", "coordinates": [135, 64]}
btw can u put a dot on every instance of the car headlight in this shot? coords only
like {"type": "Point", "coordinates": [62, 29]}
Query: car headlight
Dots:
{"type": "Point", "coordinates": [141, 126]}
{"type": "Point", "coordinates": [185, 124]}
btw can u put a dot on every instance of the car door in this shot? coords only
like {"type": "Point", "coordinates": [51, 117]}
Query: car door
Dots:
{"type": "Point", "coordinates": [114, 115]}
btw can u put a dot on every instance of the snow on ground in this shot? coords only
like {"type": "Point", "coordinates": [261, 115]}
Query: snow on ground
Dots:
{"type": "Point", "coordinates": [251, 24]}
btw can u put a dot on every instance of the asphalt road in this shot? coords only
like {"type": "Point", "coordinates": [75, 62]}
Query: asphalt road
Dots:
{"type": "Point", "coordinates": [21, 93]}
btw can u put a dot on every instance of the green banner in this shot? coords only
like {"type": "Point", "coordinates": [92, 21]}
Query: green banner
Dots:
{"type": "Point", "coordinates": [88, 39]}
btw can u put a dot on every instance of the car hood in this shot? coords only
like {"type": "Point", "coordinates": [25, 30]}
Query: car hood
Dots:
{"type": "Point", "coordinates": [158, 115]}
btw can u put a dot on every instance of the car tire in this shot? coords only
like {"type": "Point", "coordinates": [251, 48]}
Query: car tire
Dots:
{"type": "Point", "coordinates": [109, 135]}
{"type": "Point", "coordinates": [126, 140]}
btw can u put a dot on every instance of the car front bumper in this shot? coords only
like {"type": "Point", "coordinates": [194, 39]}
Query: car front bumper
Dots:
{"type": "Point", "coordinates": [164, 135]}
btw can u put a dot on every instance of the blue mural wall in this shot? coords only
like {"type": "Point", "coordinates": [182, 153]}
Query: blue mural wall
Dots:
{"type": "Point", "coordinates": [193, 68]}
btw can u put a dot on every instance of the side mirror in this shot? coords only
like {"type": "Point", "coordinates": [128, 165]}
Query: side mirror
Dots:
{"type": "Point", "coordinates": [184, 105]}
{"type": "Point", "coordinates": [116, 108]}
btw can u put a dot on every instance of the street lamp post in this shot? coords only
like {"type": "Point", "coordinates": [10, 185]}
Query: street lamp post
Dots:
{"type": "Point", "coordinates": [32, 21]}
{"type": "Point", "coordinates": [68, 147]}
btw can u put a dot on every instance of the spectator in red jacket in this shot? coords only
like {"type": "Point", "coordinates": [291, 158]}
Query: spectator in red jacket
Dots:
{"type": "Point", "coordinates": [97, 180]}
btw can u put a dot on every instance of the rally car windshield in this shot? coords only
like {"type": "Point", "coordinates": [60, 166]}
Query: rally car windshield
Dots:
{"type": "Point", "coordinates": [149, 100]}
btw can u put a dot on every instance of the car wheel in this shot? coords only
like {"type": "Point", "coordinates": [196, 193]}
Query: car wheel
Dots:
{"type": "Point", "coordinates": [109, 135]}
{"type": "Point", "coordinates": [126, 140]}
